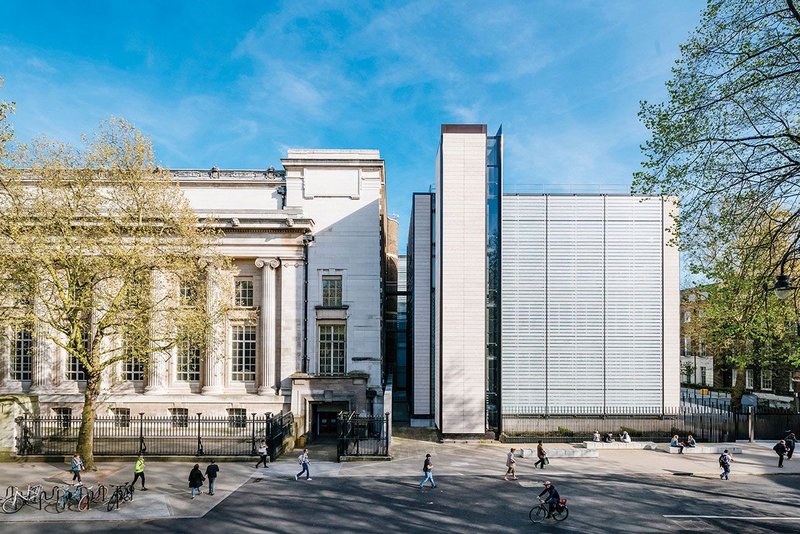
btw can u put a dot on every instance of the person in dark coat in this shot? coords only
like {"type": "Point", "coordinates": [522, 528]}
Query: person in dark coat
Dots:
{"type": "Point", "coordinates": [211, 473]}
{"type": "Point", "coordinates": [780, 449]}
{"type": "Point", "coordinates": [196, 479]}
{"type": "Point", "coordinates": [791, 442]}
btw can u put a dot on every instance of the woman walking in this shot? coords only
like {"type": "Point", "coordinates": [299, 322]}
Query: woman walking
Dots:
{"type": "Point", "coordinates": [262, 453]}
{"type": "Point", "coordinates": [511, 465]}
{"type": "Point", "coordinates": [196, 479]}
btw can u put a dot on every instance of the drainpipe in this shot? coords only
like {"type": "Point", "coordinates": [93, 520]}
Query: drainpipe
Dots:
{"type": "Point", "coordinates": [307, 240]}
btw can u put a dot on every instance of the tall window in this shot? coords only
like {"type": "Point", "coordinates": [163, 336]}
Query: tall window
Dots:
{"type": "Point", "coordinates": [64, 416]}
{"type": "Point", "coordinates": [237, 417]}
{"type": "Point", "coordinates": [122, 417]}
{"type": "Point", "coordinates": [766, 379]}
{"type": "Point", "coordinates": [687, 345]}
{"type": "Point", "coordinates": [748, 379]}
{"type": "Point", "coordinates": [180, 417]}
{"type": "Point", "coordinates": [187, 292]}
{"type": "Point", "coordinates": [332, 338]}
{"type": "Point", "coordinates": [134, 368]}
{"type": "Point", "coordinates": [244, 293]}
{"type": "Point", "coordinates": [188, 361]}
{"type": "Point", "coordinates": [243, 352]}
{"type": "Point", "coordinates": [22, 355]}
{"type": "Point", "coordinates": [331, 290]}
{"type": "Point", "coordinates": [703, 375]}
{"type": "Point", "coordinates": [75, 369]}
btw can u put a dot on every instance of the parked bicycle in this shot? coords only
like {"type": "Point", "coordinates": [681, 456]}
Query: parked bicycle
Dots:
{"type": "Point", "coordinates": [120, 494]}
{"type": "Point", "coordinates": [539, 513]}
{"type": "Point", "coordinates": [16, 500]}
{"type": "Point", "coordinates": [75, 497]}
{"type": "Point", "coordinates": [98, 495]}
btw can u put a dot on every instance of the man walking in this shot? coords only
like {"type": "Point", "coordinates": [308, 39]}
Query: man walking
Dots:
{"type": "Point", "coordinates": [541, 454]}
{"type": "Point", "coordinates": [76, 466]}
{"type": "Point", "coordinates": [303, 461]}
{"type": "Point", "coordinates": [780, 450]}
{"type": "Point", "coordinates": [427, 471]}
{"type": "Point", "coordinates": [138, 471]}
{"type": "Point", "coordinates": [725, 460]}
{"type": "Point", "coordinates": [211, 474]}
{"type": "Point", "coordinates": [511, 464]}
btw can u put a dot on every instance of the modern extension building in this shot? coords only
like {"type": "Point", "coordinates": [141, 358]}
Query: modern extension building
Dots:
{"type": "Point", "coordinates": [528, 304]}
{"type": "Point", "coordinates": [304, 334]}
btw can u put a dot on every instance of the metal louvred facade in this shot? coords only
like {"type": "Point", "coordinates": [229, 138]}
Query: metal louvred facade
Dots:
{"type": "Point", "coordinates": [583, 304]}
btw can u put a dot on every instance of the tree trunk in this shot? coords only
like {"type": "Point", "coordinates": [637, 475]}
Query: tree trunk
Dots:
{"type": "Point", "coordinates": [86, 432]}
{"type": "Point", "coordinates": [738, 390]}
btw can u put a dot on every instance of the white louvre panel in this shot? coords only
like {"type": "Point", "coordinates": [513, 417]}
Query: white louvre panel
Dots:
{"type": "Point", "coordinates": [523, 271]}
{"type": "Point", "coordinates": [633, 303]}
{"type": "Point", "coordinates": [575, 302]}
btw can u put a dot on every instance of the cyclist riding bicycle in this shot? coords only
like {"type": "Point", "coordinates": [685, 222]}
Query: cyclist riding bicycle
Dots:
{"type": "Point", "coordinates": [552, 499]}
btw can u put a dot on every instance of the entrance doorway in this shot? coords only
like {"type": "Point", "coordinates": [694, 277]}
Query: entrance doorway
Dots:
{"type": "Point", "coordinates": [324, 417]}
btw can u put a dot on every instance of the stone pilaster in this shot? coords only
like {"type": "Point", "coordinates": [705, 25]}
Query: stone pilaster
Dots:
{"type": "Point", "coordinates": [42, 355]}
{"type": "Point", "coordinates": [267, 326]}
{"type": "Point", "coordinates": [291, 334]}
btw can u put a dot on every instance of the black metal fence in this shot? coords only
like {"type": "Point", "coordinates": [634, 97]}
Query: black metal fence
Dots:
{"type": "Point", "coordinates": [362, 436]}
{"type": "Point", "coordinates": [157, 436]}
{"type": "Point", "coordinates": [711, 422]}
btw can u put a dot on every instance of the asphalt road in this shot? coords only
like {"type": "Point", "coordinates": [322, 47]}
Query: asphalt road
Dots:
{"type": "Point", "coordinates": [467, 504]}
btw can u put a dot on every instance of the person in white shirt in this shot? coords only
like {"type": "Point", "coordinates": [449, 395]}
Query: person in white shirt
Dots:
{"type": "Point", "coordinates": [625, 437]}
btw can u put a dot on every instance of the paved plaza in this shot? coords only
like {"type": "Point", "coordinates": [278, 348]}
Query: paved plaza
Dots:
{"type": "Point", "coordinates": [634, 491]}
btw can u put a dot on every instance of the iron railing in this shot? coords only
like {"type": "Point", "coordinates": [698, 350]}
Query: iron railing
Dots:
{"type": "Point", "coordinates": [362, 435]}
{"type": "Point", "coordinates": [157, 436]}
{"type": "Point", "coordinates": [707, 420]}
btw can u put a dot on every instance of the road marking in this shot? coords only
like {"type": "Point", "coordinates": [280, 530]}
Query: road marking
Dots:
{"type": "Point", "coordinates": [735, 517]}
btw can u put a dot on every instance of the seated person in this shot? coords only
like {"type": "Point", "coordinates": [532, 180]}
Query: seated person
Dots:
{"type": "Point", "coordinates": [676, 442]}
{"type": "Point", "coordinates": [625, 437]}
{"type": "Point", "coordinates": [690, 442]}
{"type": "Point", "coordinates": [596, 436]}
{"type": "Point", "coordinates": [608, 438]}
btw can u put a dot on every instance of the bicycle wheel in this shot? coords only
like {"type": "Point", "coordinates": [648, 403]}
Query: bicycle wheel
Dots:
{"type": "Point", "coordinates": [128, 495]}
{"type": "Point", "coordinates": [83, 504]}
{"type": "Point", "coordinates": [61, 503]}
{"type": "Point", "coordinates": [537, 514]}
{"type": "Point", "coordinates": [561, 513]}
{"type": "Point", "coordinates": [13, 505]}
{"type": "Point", "coordinates": [113, 502]}
{"type": "Point", "coordinates": [100, 494]}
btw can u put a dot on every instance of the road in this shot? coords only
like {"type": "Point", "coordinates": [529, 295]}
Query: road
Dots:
{"type": "Point", "coordinates": [608, 503]}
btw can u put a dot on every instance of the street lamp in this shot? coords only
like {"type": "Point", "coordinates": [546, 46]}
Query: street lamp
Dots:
{"type": "Point", "coordinates": [783, 288]}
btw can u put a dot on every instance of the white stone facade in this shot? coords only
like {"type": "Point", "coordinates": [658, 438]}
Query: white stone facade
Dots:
{"type": "Point", "coordinates": [319, 221]}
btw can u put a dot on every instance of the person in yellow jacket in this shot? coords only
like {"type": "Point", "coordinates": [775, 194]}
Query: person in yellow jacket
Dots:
{"type": "Point", "coordinates": [138, 472]}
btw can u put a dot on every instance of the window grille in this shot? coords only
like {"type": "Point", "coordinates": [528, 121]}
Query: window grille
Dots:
{"type": "Point", "coordinates": [122, 417]}
{"type": "Point", "coordinates": [237, 417]}
{"type": "Point", "coordinates": [188, 361]}
{"type": "Point", "coordinates": [180, 417]}
{"type": "Point", "coordinates": [244, 293]}
{"type": "Point", "coordinates": [22, 355]}
{"type": "Point", "coordinates": [331, 290]}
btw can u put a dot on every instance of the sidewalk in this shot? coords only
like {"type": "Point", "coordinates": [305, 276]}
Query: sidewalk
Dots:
{"type": "Point", "coordinates": [169, 495]}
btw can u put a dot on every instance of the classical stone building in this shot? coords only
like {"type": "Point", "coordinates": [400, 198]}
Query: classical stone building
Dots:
{"type": "Point", "coordinates": [304, 333]}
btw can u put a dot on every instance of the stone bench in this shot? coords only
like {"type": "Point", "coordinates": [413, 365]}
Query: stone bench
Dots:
{"type": "Point", "coordinates": [702, 449]}
{"type": "Point", "coordinates": [562, 453]}
{"type": "Point", "coordinates": [641, 445]}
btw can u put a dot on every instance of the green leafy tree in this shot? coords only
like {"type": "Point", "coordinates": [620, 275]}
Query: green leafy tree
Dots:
{"type": "Point", "coordinates": [95, 242]}
{"type": "Point", "coordinates": [727, 139]}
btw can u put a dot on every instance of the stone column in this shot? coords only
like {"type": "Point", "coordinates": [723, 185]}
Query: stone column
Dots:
{"type": "Point", "coordinates": [43, 351]}
{"type": "Point", "coordinates": [5, 356]}
{"type": "Point", "coordinates": [157, 375]}
{"type": "Point", "coordinates": [267, 323]}
{"type": "Point", "coordinates": [291, 312]}
{"type": "Point", "coordinates": [214, 361]}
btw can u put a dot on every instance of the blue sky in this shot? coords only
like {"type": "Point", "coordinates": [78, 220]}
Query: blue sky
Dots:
{"type": "Point", "coordinates": [236, 83]}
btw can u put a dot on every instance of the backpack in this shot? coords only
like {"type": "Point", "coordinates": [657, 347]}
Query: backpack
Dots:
{"type": "Point", "coordinates": [722, 460]}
